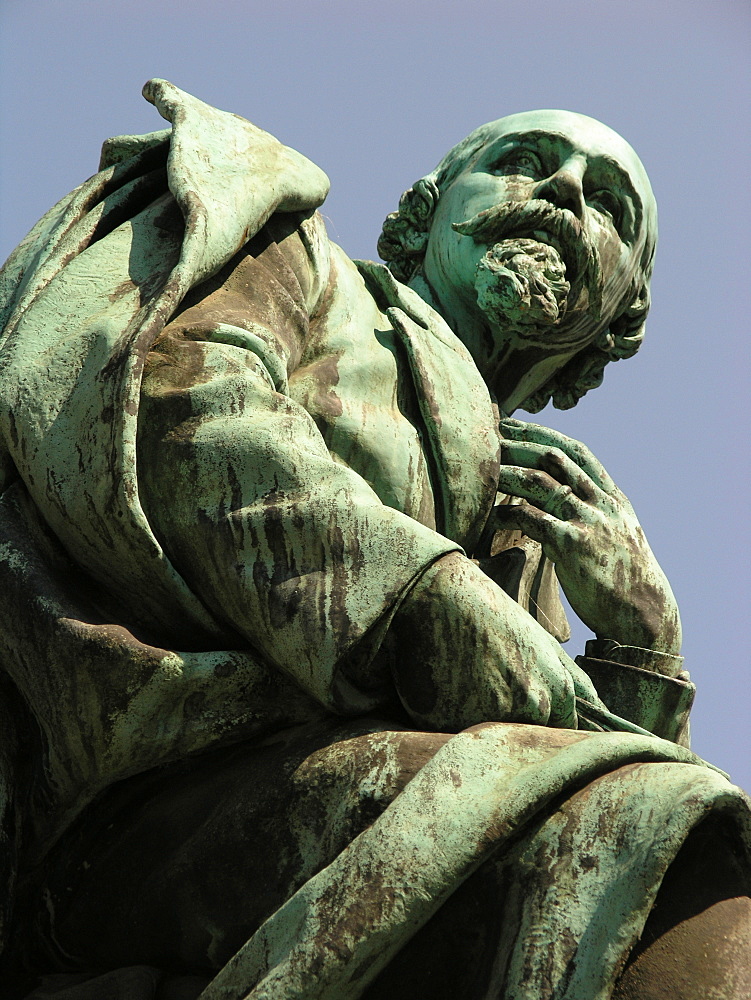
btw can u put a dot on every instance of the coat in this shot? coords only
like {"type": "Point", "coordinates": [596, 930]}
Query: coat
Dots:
{"type": "Point", "coordinates": [194, 494]}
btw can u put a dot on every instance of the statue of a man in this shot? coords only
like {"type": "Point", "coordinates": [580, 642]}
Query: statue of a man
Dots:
{"type": "Point", "coordinates": [285, 710]}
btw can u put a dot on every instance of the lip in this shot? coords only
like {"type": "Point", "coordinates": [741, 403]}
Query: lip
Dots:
{"type": "Point", "coordinates": [542, 222]}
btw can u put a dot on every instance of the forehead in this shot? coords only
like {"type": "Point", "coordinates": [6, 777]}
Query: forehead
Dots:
{"type": "Point", "coordinates": [579, 129]}
{"type": "Point", "coordinates": [571, 133]}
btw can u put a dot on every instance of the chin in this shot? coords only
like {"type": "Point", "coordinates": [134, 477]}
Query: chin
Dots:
{"type": "Point", "coordinates": [521, 288]}
{"type": "Point", "coordinates": [532, 311]}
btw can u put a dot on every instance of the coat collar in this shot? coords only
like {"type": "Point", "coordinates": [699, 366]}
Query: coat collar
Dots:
{"type": "Point", "coordinates": [455, 405]}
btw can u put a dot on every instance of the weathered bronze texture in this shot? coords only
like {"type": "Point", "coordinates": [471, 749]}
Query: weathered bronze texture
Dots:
{"type": "Point", "coordinates": [284, 710]}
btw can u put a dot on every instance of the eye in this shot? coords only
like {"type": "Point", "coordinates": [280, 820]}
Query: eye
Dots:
{"type": "Point", "coordinates": [606, 203]}
{"type": "Point", "coordinates": [518, 162]}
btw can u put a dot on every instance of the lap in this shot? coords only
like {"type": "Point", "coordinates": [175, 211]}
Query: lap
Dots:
{"type": "Point", "coordinates": [179, 867]}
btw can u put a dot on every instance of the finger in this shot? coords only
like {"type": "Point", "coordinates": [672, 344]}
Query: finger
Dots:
{"type": "Point", "coordinates": [557, 464]}
{"type": "Point", "coordinates": [519, 430]}
{"type": "Point", "coordinates": [551, 532]}
{"type": "Point", "coordinates": [542, 491]}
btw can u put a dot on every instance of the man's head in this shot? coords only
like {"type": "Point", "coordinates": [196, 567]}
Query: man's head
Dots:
{"type": "Point", "coordinates": [536, 238]}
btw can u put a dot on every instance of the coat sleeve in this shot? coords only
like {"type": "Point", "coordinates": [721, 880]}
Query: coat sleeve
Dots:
{"type": "Point", "coordinates": [292, 551]}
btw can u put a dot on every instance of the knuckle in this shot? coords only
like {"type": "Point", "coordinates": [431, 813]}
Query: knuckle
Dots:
{"type": "Point", "coordinates": [541, 480]}
{"type": "Point", "coordinates": [578, 450]}
{"type": "Point", "coordinates": [555, 460]}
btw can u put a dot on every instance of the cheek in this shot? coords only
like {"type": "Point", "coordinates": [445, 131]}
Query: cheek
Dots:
{"type": "Point", "coordinates": [518, 188]}
{"type": "Point", "coordinates": [619, 267]}
{"type": "Point", "coordinates": [484, 191]}
{"type": "Point", "coordinates": [614, 255]}
{"type": "Point", "coordinates": [452, 259]}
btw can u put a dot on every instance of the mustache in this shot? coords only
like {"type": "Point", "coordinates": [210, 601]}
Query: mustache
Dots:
{"type": "Point", "coordinates": [521, 219]}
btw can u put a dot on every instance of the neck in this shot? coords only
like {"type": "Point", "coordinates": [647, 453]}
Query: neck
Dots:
{"type": "Point", "coordinates": [512, 368]}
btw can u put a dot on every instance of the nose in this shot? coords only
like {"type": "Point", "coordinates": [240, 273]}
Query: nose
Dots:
{"type": "Point", "coordinates": [564, 190]}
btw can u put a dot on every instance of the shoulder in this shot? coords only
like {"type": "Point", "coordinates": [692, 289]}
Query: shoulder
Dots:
{"type": "Point", "coordinates": [304, 246]}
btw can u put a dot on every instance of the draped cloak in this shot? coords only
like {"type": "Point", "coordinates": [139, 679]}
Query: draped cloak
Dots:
{"type": "Point", "coordinates": [121, 653]}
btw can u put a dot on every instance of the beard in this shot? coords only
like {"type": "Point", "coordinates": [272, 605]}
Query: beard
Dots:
{"type": "Point", "coordinates": [539, 266]}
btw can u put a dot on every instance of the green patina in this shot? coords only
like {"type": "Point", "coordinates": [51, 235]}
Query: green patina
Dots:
{"type": "Point", "coordinates": [263, 512]}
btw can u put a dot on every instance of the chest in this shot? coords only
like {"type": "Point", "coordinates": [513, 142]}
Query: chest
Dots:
{"type": "Point", "coordinates": [355, 381]}
{"type": "Point", "coordinates": [400, 405]}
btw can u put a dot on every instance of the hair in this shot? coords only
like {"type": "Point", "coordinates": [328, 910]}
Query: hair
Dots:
{"type": "Point", "coordinates": [403, 244]}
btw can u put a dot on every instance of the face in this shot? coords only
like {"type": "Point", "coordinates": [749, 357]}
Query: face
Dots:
{"type": "Point", "coordinates": [538, 239]}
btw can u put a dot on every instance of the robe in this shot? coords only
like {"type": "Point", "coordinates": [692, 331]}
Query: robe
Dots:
{"type": "Point", "coordinates": [128, 645]}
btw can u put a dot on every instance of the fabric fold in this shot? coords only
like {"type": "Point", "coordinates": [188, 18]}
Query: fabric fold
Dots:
{"type": "Point", "coordinates": [482, 790]}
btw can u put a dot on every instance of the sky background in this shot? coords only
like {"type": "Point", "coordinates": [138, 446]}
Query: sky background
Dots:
{"type": "Point", "coordinates": [375, 93]}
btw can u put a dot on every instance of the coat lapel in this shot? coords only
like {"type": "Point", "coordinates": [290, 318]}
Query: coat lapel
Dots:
{"type": "Point", "coordinates": [454, 404]}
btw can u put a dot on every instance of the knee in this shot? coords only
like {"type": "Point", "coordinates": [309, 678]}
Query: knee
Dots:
{"type": "Point", "coordinates": [342, 788]}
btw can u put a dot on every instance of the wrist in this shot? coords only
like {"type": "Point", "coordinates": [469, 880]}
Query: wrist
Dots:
{"type": "Point", "coordinates": [644, 686]}
{"type": "Point", "coordinates": [658, 662]}
{"type": "Point", "coordinates": [650, 622]}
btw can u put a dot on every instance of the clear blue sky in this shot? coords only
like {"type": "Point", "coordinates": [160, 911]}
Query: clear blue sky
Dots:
{"type": "Point", "coordinates": [375, 93]}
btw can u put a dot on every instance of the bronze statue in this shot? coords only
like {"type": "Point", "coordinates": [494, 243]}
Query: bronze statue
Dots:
{"type": "Point", "coordinates": [285, 709]}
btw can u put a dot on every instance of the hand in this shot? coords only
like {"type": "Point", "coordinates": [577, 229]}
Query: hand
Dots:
{"type": "Point", "coordinates": [587, 527]}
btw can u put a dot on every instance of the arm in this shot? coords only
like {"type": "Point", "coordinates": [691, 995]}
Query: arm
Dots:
{"type": "Point", "coordinates": [464, 652]}
{"type": "Point", "coordinates": [300, 557]}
